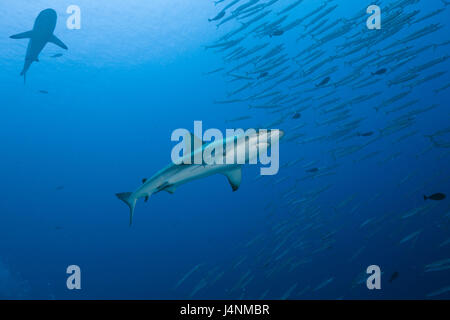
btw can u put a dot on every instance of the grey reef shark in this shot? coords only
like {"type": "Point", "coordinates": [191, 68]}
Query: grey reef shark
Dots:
{"type": "Point", "coordinates": [174, 175]}
{"type": "Point", "coordinates": [39, 36]}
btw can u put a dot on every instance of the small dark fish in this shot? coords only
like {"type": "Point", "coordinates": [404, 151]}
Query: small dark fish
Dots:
{"type": "Point", "coordinates": [59, 188]}
{"type": "Point", "coordinates": [436, 196]}
{"type": "Point", "coordinates": [57, 55]}
{"type": "Point", "coordinates": [58, 228]}
{"type": "Point", "coordinates": [219, 16]}
{"type": "Point", "coordinates": [312, 170]}
{"type": "Point", "coordinates": [262, 75]}
{"type": "Point", "coordinates": [277, 33]}
{"type": "Point", "coordinates": [365, 134]}
{"type": "Point", "coordinates": [394, 276]}
{"type": "Point", "coordinates": [43, 91]}
{"type": "Point", "coordinates": [323, 82]}
{"type": "Point", "coordinates": [296, 115]}
{"type": "Point", "coordinates": [379, 72]}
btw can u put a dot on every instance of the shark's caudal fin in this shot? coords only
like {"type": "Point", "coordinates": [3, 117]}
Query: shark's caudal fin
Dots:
{"type": "Point", "coordinates": [130, 201]}
{"type": "Point", "coordinates": [26, 66]}
{"type": "Point", "coordinates": [23, 35]}
{"type": "Point", "coordinates": [24, 74]}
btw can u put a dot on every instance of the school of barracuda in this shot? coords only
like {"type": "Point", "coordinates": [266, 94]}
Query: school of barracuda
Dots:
{"type": "Point", "coordinates": [362, 88]}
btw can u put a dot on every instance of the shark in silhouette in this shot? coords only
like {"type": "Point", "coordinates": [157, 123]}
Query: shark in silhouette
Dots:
{"type": "Point", "coordinates": [42, 32]}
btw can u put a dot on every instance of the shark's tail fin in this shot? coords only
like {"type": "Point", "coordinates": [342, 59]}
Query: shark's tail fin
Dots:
{"type": "Point", "coordinates": [26, 66]}
{"type": "Point", "coordinates": [130, 201]}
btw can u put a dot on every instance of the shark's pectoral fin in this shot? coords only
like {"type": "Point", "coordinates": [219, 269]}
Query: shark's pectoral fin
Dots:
{"type": "Point", "coordinates": [58, 42]}
{"type": "Point", "coordinates": [234, 177]}
{"type": "Point", "coordinates": [23, 35]}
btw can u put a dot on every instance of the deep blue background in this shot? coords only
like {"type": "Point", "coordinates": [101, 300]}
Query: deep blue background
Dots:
{"type": "Point", "coordinates": [132, 75]}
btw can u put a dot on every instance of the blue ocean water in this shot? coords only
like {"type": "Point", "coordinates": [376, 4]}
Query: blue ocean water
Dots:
{"type": "Point", "coordinates": [351, 185]}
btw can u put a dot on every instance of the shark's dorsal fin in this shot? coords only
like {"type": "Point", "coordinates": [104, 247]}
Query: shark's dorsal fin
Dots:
{"type": "Point", "coordinates": [23, 35]}
{"type": "Point", "coordinates": [59, 43]}
{"type": "Point", "coordinates": [195, 141]}
{"type": "Point", "coordinates": [234, 177]}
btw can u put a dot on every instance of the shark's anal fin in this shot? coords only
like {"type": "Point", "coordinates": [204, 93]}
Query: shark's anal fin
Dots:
{"type": "Point", "coordinates": [58, 42]}
{"type": "Point", "coordinates": [234, 177]}
{"type": "Point", "coordinates": [23, 35]}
